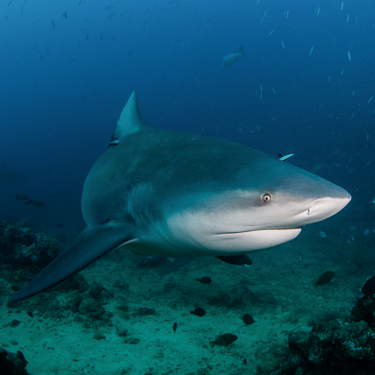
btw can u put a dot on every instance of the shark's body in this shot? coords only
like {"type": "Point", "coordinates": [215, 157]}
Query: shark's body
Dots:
{"type": "Point", "coordinates": [161, 192]}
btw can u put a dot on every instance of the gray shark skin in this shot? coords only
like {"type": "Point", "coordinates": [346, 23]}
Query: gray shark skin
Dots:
{"type": "Point", "coordinates": [233, 57]}
{"type": "Point", "coordinates": [170, 193]}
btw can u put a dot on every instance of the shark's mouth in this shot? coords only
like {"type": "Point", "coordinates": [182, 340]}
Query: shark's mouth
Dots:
{"type": "Point", "coordinates": [255, 240]}
{"type": "Point", "coordinates": [258, 230]}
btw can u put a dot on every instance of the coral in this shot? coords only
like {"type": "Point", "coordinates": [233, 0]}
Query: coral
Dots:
{"type": "Point", "coordinates": [339, 346]}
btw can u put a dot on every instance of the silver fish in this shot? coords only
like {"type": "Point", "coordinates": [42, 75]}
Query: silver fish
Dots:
{"type": "Point", "coordinates": [233, 57]}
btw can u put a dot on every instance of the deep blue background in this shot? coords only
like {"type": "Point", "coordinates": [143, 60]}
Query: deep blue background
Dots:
{"type": "Point", "coordinates": [63, 88]}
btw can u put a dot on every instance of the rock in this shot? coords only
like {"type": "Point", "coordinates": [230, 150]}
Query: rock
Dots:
{"type": "Point", "coordinates": [74, 282]}
{"type": "Point", "coordinates": [98, 292]}
{"type": "Point", "coordinates": [121, 284]}
{"type": "Point", "coordinates": [133, 341]}
{"type": "Point", "coordinates": [41, 252]}
{"type": "Point", "coordinates": [365, 310]}
{"type": "Point", "coordinates": [99, 336]}
{"type": "Point", "coordinates": [236, 297]}
{"type": "Point", "coordinates": [121, 330]}
{"type": "Point", "coordinates": [333, 347]}
{"type": "Point", "coordinates": [12, 363]}
{"type": "Point", "coordinates": [298, 341]}
{"type": "Point", "coordinates": [15, 323]}
{"type": "Point", "coordinates": [145, 311]}
{"type": "Point", "coordinates": [265, 297]}
{"type": "Point", "coordinates": [90, 306]}
{"type": "Point", "coordinates": [73, 300]}
{"type": "Point", "coordinates": [122, 305]}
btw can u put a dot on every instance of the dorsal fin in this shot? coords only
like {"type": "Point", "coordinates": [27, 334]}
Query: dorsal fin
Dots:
{"type": "Point", "coordinates": [130, 120]}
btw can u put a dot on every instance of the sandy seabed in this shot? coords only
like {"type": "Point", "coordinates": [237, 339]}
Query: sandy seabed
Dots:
{"type": "Point", "coordinates": [277, 290]}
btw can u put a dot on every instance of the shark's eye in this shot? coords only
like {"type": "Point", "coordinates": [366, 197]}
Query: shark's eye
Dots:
{"type": "Point", "coordinates": [266, 198]}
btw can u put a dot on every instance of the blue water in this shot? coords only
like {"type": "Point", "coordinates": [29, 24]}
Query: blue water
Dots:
{"type": "Point", "coordinates": [64, 82]}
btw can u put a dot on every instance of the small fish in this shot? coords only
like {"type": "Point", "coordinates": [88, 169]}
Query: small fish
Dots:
{"type": "Point", "coordinates": [53, 24]}
{"type": "Point", "coordinates": [198, 312]}
{"type": "Point", "coordinates": [282, 43]}
{"type": "Point", "coordinates": [311, 51]}
{"type": "Point", "coordinates": [113, 143]}
{"type": "Point", "coordinates": [285, 157]}
{"type": "Point", "coordinates": [349, 56]}
{"type": "Point", "coordinates": [224, 340]}
{"type": "Point", "coordinates": [205, 280]}
{"type": "Point", "coordinates": [65, 15]}
{"type": "Point", "coordinates": [30, 314]}
{"type": "Point", "coordinates": [244, 361]}
{"type": "Point", "coordinates": [248, 319]}
{"type": "Point", "coordinates": [60, 225]}
{"type": "Point", "coordinates": [22, 197]}
{"type": "Point", "coordinates": [324, 278]}
{"type": "Point", "coordinates": [265, 12]}
{"type": "Point", "coordinates": [174, 327]}
{"type": "Point", "coordinates": [322, 234]}
{"type": "Point", "coordinates": [270, 33]}
{"type": "Point", "coordinates": [38, 203]}
{"type": "Point", "coordinates": [233, 57]}
{"type": "Point", "coordinates": [368, 288]}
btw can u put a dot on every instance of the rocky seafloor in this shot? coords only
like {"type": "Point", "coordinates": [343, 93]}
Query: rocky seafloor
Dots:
{"type": "Point", "coordinates": [116, 317]}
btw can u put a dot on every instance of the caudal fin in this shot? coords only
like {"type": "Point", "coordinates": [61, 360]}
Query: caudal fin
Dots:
{"type": "Point", "coordinates": [241, 52]}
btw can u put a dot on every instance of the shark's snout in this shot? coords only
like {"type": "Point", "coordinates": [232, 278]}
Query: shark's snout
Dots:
{"type": "Point", "coordinates": [325, 207]}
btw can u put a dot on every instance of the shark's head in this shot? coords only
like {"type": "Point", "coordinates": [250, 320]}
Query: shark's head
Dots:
{"type": "Point", "coordinates": [269, 203]}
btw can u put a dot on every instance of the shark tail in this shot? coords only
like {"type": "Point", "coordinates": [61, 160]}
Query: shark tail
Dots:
{"type": "Point", "coordinates": [241, 52]}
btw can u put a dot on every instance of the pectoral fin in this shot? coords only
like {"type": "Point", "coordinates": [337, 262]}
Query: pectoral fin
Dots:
{"type": "Point", "coordinates": [94, 242]}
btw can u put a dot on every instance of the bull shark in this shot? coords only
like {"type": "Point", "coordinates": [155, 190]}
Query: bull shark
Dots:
{"type": "Point", "coordinates": [177, 194]}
